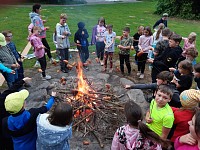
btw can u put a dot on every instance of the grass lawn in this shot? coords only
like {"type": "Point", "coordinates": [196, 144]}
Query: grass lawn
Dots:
{"type": "Point", "coordinates": [119, 14]}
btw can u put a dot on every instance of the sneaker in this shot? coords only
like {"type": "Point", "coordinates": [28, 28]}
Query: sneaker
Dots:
{"type": "Point", "coordinates": [138, 74]}
{"type": "Point", "coordinates": [52, 60]}
{"type": "Point", "coordinates": [141, 76]}
{"type": "Point", "coordinates": [37, 64]}
{"type": "Point", "coordinates": [47, 77]}
{"type": "Point", "coordinates": [101, 62]}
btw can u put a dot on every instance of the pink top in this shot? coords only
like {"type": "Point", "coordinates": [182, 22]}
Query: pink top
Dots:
{"type": "Point", "coordinates": [186, 46]}
{"type": "Point", "coordinates": [145, 42]}
{"type": "Point", "coordinates": [134, 140]}
{"type": "Point", "coordinates": [38, 46]}
{"type": "Point", "coordinates": [180, 146]}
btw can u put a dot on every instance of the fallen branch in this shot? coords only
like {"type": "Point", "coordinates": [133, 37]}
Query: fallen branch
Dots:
{"type": "Point", "coordinates": [82, 120]}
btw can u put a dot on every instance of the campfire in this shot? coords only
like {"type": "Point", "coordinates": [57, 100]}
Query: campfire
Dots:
{"type": "Point", "coordinates": [96, 108]}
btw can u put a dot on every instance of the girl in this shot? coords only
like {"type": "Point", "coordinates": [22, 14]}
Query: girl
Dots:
{"type": "Point", "coordinates": [98, 39]}
{"type": "Point", "coordinates": [145, 42]}
{"type": "Point", "coordinates": [55, 129]}
{"type": "Point", "coordinates": [109, 47]}
{"type": "Point", "coordinates": [157, 36]}
{"type": "Point", "coordinates": [135, 135]}
{"type": "Point", "coordinates": [39, 50]}
{"type": "Point", "coordinates": [183, 74]}
{"type": "Point", "coordinates": [80, 38]}
{"type": "Point", "coordinates": [192, 53]}
{"type": "Point", "coordinates": [190, 141]}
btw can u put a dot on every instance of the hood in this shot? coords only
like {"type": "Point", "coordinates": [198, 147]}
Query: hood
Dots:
{"type": "Point", "coordinates": [51, 135]}
{"type": "Point", "coordinates": [33, 14]}
{"type": "Point", "coordinates": [81, 25]}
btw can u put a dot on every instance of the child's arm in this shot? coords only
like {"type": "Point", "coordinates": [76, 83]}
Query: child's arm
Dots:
{"type": "Point", "coordinates": [148, 117]}
{"type": "Point", "coordinates": [115, 142]}
{"type": "Point", "coordinates": [6, 69]}
{"type": "Point", "coordinates": [165, 132]}
{"type": "Point", "coordinates": [168, 122]}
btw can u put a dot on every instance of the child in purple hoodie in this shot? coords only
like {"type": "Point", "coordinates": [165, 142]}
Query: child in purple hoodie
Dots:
{"type": "Point", "coordinates": [39, 50]}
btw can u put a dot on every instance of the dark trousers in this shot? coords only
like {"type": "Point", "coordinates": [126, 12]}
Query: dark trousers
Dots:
{"type": "Point", "coordinates": [100, 46]}
{"type": "Point", "coordinates": [63, 55]}
{"type": "Point", "coordinates": [43, 64]}
{"type": "Point", "coordinates": [141, 62]}
{"type": "Point", "coordinates": [47, 49]}
{"type": "Point", "coordinates": [84, 53]}
{"type": "Point", "coordinates": [10, 78]}
{"type": "Point", "coordinates": [122, 59]}
{"type": "Point", "coordinates": [20, 71]}
{"type": "Point", "coordinates": [110, 56]}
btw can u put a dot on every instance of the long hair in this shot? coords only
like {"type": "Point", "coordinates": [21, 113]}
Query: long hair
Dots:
{"type": "Point", "coordinates": [160, 28]}
{"type": "Point", "coordinates": [35, 7]}
{"type": "Point", "coordinates": [197, 122]}
{"type": "Point", "coordinates": [102, 19]}
{"type": "Point", "coordinates": [148, 29]}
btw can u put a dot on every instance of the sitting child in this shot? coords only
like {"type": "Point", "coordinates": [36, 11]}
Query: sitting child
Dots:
{"type": "Point", "coordinates": [189, 101]}
{"type": "Point", "coordinates": [135, 134]}
{"type": "Point", "coordinates": [183, 74]}
{"type": "Point", "coordinates": [197, 75]}
{"type": "Point", "coordinates": [160, 116]}
{"type": "Point", "coordinates": [190, 141]}
{"type": "Point", "coordinates": [55, 129]}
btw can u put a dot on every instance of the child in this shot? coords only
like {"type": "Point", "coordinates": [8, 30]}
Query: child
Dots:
{"type": "Point", "coordinates": [183, 74]}
{"type": "Point", "coordinates": [124, 50]}
{"type": "Point", "coordinates": [197, 75]}
{"type": "Point", "coordinates": [160, 116]}
{"type": "Point", "coordinates": [136, 37]}
{"type": "Point", "coordinates": [162, 20]}
{"type": "Point", "coordinates": [109, 46]}
{"type": "Point", "coordinates": [21, 124]}
{"type": "Point", "coordinates": [157, 35]}
{"type": "Point", "coordinates": [63, 33]}
{"type": "Point", "coordinates": [189, 101]}
{"type": "Point", "coordinates": [135, 134]}
{"type": "Point", "coordinates": [8, 59]}
{"type": "Point", "coordinates": [36, 20]}
{"type": "Point", "coordinates": [39, 51]}
{"type": "Point", "coordinates": [98, 39]}
{"type": "Point", "coordinates": [80, 38]}
{"type": "Point", "coordinates": [8, 36]}
{"type": "Point", "coordinates": [190, 141]}
{"type": "Point", "coordinates": [6, 69]}
{"type": "Point", "coordinates": [168, 58]}
{"type": "Point", "coordinates": [145, 42]}
{"type": "Point", "coordinates": [192, 53]}
{"type": "Point", "coordinates": [55, 129]}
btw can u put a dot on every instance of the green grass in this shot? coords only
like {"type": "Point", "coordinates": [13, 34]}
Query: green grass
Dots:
{"type": "Point", "coordinates": [119, 14]}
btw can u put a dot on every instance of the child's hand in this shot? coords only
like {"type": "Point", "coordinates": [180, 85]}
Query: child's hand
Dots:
{"type": "Point", "coordinates": [188, 139]}
{"type": "Point", "coordinates": [172, 69]}
{"type": "Point", "coordinates": [150, 60]}
{"type": "Point", "coordinates": [127, 86]}
{"type": "Point", "coordinates": [27, 79]}
{"type": "Point", "coordinates": [65, 33]}
{"type": "Point", "coordinates": [151, 48]}
{"type": "Point", "coordinates": [83, 32]}
{"type": "Point", "coordinates": [53, 93]}
{"type": "Point", "coordinates": [47, 28]}
{"type": "Point", "coordinates": [149, 120]}
{"type": "Point", "coordinates": [13, 72]}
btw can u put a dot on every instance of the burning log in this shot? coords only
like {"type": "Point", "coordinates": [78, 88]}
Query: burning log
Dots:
{"type": "Point", "coordinates": [82, 120]}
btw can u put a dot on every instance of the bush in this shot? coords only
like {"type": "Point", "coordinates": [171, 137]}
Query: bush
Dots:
{"type": "Point", "coordinates": [188, 9]}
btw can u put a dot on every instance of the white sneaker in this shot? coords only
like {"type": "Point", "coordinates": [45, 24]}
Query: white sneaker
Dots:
{"type": "Point", "coordinates": [141, 76]}
{"type": "Point", "coordinates": [37, 64]}
{"type": "Point", "coordinates": [101, 62]}
{"type": "Point", "coordinates": [138, 74]}
{"type": "Point", "coordinates": [47, 77]}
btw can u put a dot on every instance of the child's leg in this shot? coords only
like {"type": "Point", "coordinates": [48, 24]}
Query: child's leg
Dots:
{"type": "Point", "coordinates": [102, 47]}
{"type": "Point", "coordinates": [127, 61]}
{"type": "Point", "coordinates": [121, 59]}
{"type": "Point", "coordinates": [105, 59]}
{"type": "Point", "coordinates": [61, 53]}
{"type": "Point", "coordinates": [81, 54]}
{"type": "Point", "coordinates": [43, 65]}
{"type": "Point", "coordinates": [66, 56]}
{"type": "Point", "coordinates": [143, 62]}
{"type": "Point", "coordinates": [86, 53]}
{"type": "Point", "coordinates": [110, 59]}
{"type": "Point", "coordinates": [98, 52]}
{"type": "Point", "coordinates": [47, 49]}
{"type": "Point", "coordinates": [10, 78]}
{"type": "Point", "coordinates": [20, 71]}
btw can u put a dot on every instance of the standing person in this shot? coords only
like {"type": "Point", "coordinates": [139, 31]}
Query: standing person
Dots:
{"type": "Point", "coordinates": [21, 124]}
{"type": "Point", "coordinates": [8, 59]}
{"type": "Point", "coordinates": [63, 33]}
{"type": "Point", "coordinates": [8, 36]}
{"type": "Point", "coordinates": [36, 20]}
{"type": "Point", "coordinates": [109, 41]}
{"type": "Point", "coordinates": [157, 35]}
{"type": "Point", "coordinates": [80, 38]}
{"type": "Point", "coordinates": [98, 39]}
{"type": "Point", "coordinates": [39, 51]}
{"type": "Point", "coordinates": [162, 20]}
{"type": "Point", "coordinates": [135, 134]}
{"type": "Point", "coordinates": [144, 45]}
{"type": "Point", "coordinates": [124, 50]}
{"type": "Point", "coordinates": [136, 37]}
{"type": "Point", "coordinates": [160, 117]}
{"type": "Point", "coordinates": [55, 129]}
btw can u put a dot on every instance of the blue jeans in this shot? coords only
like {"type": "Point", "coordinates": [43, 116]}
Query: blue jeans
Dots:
{"type": "Point", "coordinates": [84, 53]}
{"type": "Point", "coordinates": [10, 78]}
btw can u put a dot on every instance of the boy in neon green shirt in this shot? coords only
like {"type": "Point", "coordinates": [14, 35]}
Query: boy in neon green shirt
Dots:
{"type": "Point", "coordinates": [160, 117]}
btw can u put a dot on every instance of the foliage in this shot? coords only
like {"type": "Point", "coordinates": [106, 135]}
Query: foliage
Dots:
{"type": "Point", "coordinates": [188, 9]}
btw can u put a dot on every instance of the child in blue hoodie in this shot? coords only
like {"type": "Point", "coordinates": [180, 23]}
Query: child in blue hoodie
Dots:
{"type": "Point", "coordinates": [55, 129]}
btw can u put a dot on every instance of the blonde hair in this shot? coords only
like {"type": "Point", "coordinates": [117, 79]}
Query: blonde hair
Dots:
{"type": "Point", "coordinates": [63, 16]}
{"type": "Point", "coordinates": [192, 52]}
{"type": "Point", "coordinates": [193, 36]}
{"type": "Point", "coordinates": [161, 26]}
{"type": "Point", "coordinates": [35, 28]}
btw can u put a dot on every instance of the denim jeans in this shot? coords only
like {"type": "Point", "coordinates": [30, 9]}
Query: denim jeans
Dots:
{"type": "Point", "coordinates": [84, 53]}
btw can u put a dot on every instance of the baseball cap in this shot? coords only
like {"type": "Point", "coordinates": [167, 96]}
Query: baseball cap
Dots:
{"type": "Point", "coordinates": [15, 101]}
{"type": "Point", "coordinates": [2, 40]}
{"type": "Point", "coordinates": [165, 15]}
{"type": "Point", "coordinates": [190, 98]}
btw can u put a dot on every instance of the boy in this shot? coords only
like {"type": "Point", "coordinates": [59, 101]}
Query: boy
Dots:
{"type": "Point", "coordinates": [162, 20]}
{"type": "Point", "coordinates": [21, 124]}
{"type": "Point", "coordinates": [168, 58]}
{"type": "Point", "coordinates": [160, 116]}
{"type": "Point", "coordinates": [124, 50]}
{"type": "Point", "coordinates": [8, 59]}
{"type": "Point", "coordinates": [8, 36]}
{"type": "Point", "coordinates": [109, 46]}
{"type": "Point", "coordinates": [197, 75]}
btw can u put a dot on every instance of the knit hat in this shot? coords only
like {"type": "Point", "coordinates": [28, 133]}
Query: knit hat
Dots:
{"type": "Point", "coordinates": [15, 101]}
{"type": "Point", "coordinates": [190, 98]}
{"type": "Point", "coordinates": [2, 40]}
{"type": "Point", "coordinates": [81, 25]}
{"type": "Point", "coordinates": [165, 15]}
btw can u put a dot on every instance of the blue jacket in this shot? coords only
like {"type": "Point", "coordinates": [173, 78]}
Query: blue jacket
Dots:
{"type": "Point", "coordinates": [51, 137]}
{"type": "Point", "coordinates": [5, 69]}
{"type": "Point", "coordinates": [12, 47]}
